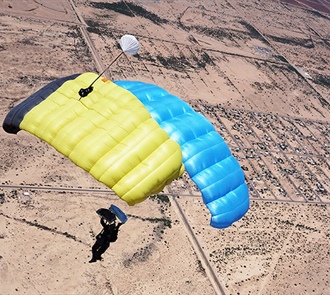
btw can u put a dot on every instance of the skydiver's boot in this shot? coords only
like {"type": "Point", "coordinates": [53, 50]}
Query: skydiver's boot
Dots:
{"type": "Point", "coordinates": [94, 258]}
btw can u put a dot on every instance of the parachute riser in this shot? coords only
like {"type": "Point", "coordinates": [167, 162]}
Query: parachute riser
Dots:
{"type": "Point", "coordinates": [83, 92]}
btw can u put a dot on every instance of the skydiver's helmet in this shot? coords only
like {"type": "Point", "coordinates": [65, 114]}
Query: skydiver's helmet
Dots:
{"type": "Point", "coordinates": [106, 215]}
{"type": "Point", "coordinates": [111, 218]}
{"type": "Point", "coordinates": [108, 222]}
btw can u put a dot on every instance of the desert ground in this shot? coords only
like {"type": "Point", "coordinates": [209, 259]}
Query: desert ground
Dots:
{"type": "Point", "coordinates": [258, 70]}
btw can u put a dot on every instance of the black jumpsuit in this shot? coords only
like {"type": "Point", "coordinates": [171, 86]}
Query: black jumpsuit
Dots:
{"type": "Point", "coordinates": [103, 239]}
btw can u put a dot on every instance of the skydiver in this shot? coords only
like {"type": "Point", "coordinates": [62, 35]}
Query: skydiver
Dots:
{"type": "Point", "coordinates": [109, 234]}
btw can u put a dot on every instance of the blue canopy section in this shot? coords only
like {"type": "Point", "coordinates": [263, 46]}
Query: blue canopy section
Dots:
{"type": "Point", "coordinates": [119, 213]}
{"type": "Point", "coordinates": [206, 156]}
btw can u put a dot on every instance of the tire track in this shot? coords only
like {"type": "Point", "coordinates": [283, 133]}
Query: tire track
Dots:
{"type": "Point", "coordinates": [199, 251]}
{"type": "Point", "coordinates": [83, 28]}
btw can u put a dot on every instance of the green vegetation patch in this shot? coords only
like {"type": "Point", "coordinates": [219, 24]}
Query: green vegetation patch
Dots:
{"type": "Point", "coordinates": [306, 43]}
{"type": "Point", "coordinates": [130, 10]}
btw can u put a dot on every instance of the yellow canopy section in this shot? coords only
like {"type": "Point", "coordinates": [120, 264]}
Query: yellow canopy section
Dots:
{"type": "Point", "coordinates": [110, 134]}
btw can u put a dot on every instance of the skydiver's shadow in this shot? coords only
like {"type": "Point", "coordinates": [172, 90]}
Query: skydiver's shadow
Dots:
{"type": "Point", "coordinates": [108, 235]}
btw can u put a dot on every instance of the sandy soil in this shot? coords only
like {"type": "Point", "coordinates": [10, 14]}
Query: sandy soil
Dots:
{"type": "Point", "coordinates": [259, 71]}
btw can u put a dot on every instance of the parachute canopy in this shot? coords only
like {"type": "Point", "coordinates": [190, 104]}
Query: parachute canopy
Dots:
{"type": "Point", "coordinates": [136, 138]}
{"type": "Point", "coordinates": [206, 156]}
{"type": "Point", "coordinates": [108, 133]}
